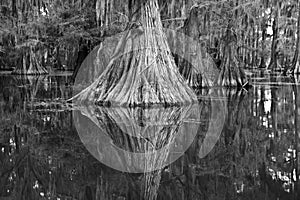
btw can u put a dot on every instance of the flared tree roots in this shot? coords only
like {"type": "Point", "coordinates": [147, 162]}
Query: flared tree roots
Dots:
{"type": "Point", "coordinates": [142, 71]}
{"type": "Point", "coordinates": [30, 65]}
{"type": "Point", "coordinates": [231, 75]}
{"type": "Point", "coordinates": [192, 60]}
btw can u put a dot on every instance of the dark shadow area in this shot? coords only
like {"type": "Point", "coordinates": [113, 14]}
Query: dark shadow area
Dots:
{"type": "Point", "coordinates": [253, 156]}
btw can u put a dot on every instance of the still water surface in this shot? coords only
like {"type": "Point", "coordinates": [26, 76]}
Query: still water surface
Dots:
{"type": "Point", "coordinates": [232, 145]}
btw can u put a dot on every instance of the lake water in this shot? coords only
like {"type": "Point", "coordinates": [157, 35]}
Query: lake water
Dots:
{"type": "Point", "coordinates": [231, 145]}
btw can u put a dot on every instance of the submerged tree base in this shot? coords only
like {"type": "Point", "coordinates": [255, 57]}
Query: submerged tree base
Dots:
{"type": "Point", "coordinates": [142, 71]}
{"type": "Point", "coordinates": [30, 65]}
{"type": "Point", "coordinates": [191, 57]}
{"type": "Point", "coordinates": [231, 75]}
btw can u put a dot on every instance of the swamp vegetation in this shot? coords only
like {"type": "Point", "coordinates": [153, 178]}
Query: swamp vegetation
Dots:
{"type": "Point", "coordinates": [149, 99]}
{"type": "Point", "coordinates": [53, 34]}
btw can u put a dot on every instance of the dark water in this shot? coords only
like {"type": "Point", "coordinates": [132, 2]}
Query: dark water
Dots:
{"type": "Point", "coordinates": [232, 145]}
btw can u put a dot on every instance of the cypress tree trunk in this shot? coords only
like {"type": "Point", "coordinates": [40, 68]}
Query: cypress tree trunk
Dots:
{"type": "Point", "coordinates": [142, 71]}
{"type": "Point", "coordinates": [29, 65]}
{"type": "Point", "coordinates": [100, 12]}
{"type": "Point", "coordinates": [296, 138]}
{"type": "Point", "coordinates": [231, 75]}
{"type": "Point", "coordinates": [263, 44]}
{"type": "Point", "coordinates": [257, 45]}
{"type": "Point", "coordinates": [14, 9]}
{"type": "Point", "coordinates": [253, 60]}
{"type": "Point", "coordinates": [273, 62]}
{"type": "Point", "coordinates": [194, 67]}
{"type": "Point", "coordinates": [295, 67]}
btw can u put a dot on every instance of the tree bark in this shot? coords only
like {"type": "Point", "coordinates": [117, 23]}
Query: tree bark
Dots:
{"type": "Point", "coordinates": [142, 71]}
{"type": "Point", "coordinates": [263, 43]}
{"type": "Point", "coordinates": [100, 12]}
{"type": "Point", "coordinates": [273, 62]}
{"type": "Point", "coordinates": [295, 67]}
{"type": "Point", "coordinates": [193, 66]}
{"type": "Point", "coordinates": [296, 139]}
{"type": "Point", "coordinates": [231, 75]}
{"type": "Point", "coordinates": [14, 9]}
{"type": "Point", "coordinates": [30, 64]}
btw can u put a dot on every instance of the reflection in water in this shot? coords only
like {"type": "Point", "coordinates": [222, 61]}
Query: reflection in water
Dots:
{"type": "Point", "coordinates": [138, 140]}
{"type": "Point", "coordinates": [43, 157]}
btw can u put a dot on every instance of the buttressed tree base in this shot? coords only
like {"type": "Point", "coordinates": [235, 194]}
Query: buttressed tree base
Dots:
{"type": "Point", "coordinates": [142, 71]}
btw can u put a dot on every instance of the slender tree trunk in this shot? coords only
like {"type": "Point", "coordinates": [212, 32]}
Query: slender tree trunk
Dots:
{"type": "Point", "coordinates": [296, 142]}
{"type": "Point", "coordinates": [257, 46]}
{"type": "Point", "coordinates": [14, 9]}
{"type": "Point", "coordinates": [274, 53]}
{"type": "Point", "coordinates": [263, 43]}
{"type": "Point", "coordinates": [253, 60]}
{"type": "Point", "coordinates": [101, 17]}
{"type": "Point", "coordinates": [274, 110]}
{"type": "Point", "coordinates": [295, 67]}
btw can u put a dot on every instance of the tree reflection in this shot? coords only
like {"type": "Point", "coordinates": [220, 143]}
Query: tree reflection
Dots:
{"type": "Point", "coordinates": [138, 140]}
{"type": "Point", "coordinates": [42, 156]}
